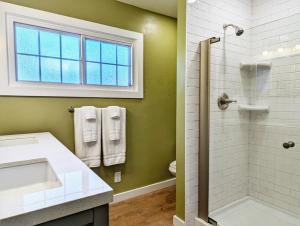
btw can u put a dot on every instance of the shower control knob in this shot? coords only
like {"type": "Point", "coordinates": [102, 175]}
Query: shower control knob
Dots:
{"type": "Point", "coordinates": [224, 101]}
{"type": "Point", "coordinates": [289, 144]}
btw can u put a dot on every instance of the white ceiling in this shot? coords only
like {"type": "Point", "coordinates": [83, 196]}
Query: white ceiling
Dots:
{"type": "Point", "coordinates": [165, 7]}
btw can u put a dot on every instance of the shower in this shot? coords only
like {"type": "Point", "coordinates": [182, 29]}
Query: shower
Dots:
{"type": "Point", "coordinates": [241, 150]}
{"type": "Point", "coordinates": [238, 30]}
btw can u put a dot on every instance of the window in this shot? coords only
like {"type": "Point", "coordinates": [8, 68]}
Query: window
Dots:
{"type": "Point", "coordinates": [53, 55]}
{"type": "Point", "coordinates": [46, 55]}
{"type": "Point", "coordinates": [107, 63]}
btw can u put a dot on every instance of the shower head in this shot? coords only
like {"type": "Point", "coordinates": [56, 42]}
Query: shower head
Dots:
{"type": "Point", "coordinates": [238, 30]}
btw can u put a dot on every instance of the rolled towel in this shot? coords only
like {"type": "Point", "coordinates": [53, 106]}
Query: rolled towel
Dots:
{"type": "Point", "coordinates": [114, 112]}
{"type": "Point", "coordinates": [89, 112]}
{"type": "Point", "coordinates": [114, 123]}
{"type": "Point", "coordinates": [89, 124]}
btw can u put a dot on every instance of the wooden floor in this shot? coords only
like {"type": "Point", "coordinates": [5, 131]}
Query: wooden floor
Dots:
{"type": "Point", "coordinates": [153, 209]}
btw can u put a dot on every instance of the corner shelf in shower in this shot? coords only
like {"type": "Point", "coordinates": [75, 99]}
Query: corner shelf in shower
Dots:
{"type": "Point", "coordinates": [254, 108]}
{"type": "Point", "coordinates": [251, 66]}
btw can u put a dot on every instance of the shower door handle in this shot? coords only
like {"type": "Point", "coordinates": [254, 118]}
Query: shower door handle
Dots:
{"type": "Point", "coordinates": [289, 144]}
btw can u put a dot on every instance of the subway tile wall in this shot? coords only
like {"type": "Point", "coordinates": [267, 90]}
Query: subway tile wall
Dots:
{"type": "Point", "coordinates": [246, 157]}
{"type": "Point", "coordinates": [274, 172]}
{"type": "Point", "coordinates": [270, 10]}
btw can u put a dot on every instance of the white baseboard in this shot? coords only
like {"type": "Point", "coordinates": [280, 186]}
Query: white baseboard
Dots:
{"type": "Point", "coordinates": [200, 222]}
{"type": "Point", "coordinates": [143, 190]}
{"type": "Point", "coordinates": [177, 221]}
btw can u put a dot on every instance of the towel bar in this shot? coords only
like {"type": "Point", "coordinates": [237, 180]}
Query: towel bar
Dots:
{"type": "Point", "coordinates": [71, 109]}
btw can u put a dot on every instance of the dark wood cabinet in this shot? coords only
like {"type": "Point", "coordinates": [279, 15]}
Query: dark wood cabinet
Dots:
{"type": "Point", "coordinates": [97, 216]}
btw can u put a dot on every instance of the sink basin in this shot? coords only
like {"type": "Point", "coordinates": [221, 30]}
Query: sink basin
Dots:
{"type": "Point", "coordinates": [30, 174]}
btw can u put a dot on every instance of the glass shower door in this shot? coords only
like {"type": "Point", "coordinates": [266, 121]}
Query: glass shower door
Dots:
{"type": "Point", "coordinates": [229, 126]}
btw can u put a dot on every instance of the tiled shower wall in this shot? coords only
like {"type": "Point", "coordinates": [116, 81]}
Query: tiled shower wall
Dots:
{"type": "Point", "coordinates": [271, 10]}
{"type": "Point", "coordinates": [274, 172]}
{"type": "Point", "coordinates": [229, 131]}
{"type": "Point", "coordinates": [244, 147]}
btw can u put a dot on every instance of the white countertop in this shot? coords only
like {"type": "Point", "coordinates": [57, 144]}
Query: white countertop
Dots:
{"type": "Point", "coordinates": [79, 187]}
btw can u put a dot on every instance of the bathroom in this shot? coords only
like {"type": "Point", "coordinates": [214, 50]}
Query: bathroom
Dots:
{"type": "Point", "coordinates": [42, 36]}
{"type": "Point", "coordinates": [149, 113]}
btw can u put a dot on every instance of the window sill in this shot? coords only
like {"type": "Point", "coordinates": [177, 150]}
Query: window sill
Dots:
{"type": "Point", "coordinates": [95, 92]}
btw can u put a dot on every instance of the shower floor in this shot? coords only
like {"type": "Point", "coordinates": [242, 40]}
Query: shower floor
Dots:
{"type": "Point", "coordinates": [248, 212]}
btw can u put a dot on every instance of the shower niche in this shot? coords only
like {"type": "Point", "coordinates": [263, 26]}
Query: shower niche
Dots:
{"type": "Point", "coordinates": [255, 79]}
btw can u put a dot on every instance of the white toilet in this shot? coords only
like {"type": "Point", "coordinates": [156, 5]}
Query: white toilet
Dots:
{"type": "Point", "coordinates": [172, 168]}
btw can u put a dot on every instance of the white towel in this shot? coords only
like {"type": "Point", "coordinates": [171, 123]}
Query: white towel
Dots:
{"type": "Point", "coordinates": [89, 112]}
{"type": "Point", "coordinates": [90, 152]}
{"type": "Point", "coordinates": [114, 122]}
{"type": "Point", "coordinates": [114, 151]}
{"type": "Point", "coordinates": [114, 112]}
{"type": "Point", "coordinates": [89, 124]}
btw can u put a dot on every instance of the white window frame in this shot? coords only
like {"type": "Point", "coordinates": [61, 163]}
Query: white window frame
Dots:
{"type": "Point", "coordinates": [9, 86]}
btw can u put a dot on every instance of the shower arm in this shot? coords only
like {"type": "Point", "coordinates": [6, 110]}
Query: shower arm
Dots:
{"type": "Point", "coordinates": [225, 26]}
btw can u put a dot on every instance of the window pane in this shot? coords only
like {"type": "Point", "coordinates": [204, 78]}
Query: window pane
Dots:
{"type": "Point", "coordinates": [93, 73]}
{"type": "Point", "coordinates": [70, 71]}
{"type": "Point", "coordinates": [124, 55]}
{"type": "Point", "coordinates": [123, 76]}
{"type": "Point", "coordinates": [109, 75]}
{"type": "Point", "coordinates": [50, 44]}
{"type": "Point", "coordinates": [115, 62]}
{"type": "Point", "coordinates": [50, 70]}
{"type": "Point", "coordinates": [70, 47]}
{"type": "Point", "coordinates": [108, 53]}
{"type": "Point", "coordinates": [27, 40]}
{"type": "Point", "coordinates": [28, 68]}
{"type": "Point", "coordinates": [92, 50]}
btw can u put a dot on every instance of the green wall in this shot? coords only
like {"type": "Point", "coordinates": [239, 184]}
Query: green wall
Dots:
{"type": "Point", "coordinates": [180, 109]}
{"type": "Point", "coordinates": [150, 121]}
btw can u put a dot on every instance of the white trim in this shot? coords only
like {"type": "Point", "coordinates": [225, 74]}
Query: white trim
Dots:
{"type": "Point", "coordinates": [143, 190]}
{"type": "Point", "coordinates": [200, 222]}
{"type": "Point", "coordinates": [10, 13]}
{"type": "Point", "coordinates": [178, 221]}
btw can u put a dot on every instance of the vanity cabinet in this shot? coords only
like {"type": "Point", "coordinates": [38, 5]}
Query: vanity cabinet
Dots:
{"type": "Point", "coordinates": [97, 216]}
